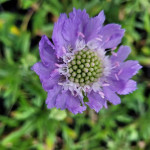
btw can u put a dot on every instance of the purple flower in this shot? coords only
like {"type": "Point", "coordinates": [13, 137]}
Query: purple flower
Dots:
{"type": "Point", "coordinates": [77, 63]}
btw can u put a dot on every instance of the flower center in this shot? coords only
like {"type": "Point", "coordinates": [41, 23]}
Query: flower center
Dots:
{"type": "Point", "coordinates": [85, 68]}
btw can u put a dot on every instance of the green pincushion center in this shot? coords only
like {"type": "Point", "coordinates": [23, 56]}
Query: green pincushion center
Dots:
{"type": "Point", "coordinates": [85, 68]}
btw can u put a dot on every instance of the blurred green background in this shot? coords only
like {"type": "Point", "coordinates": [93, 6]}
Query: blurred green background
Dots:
{"type": "Point", "coordinates": [26, 123]}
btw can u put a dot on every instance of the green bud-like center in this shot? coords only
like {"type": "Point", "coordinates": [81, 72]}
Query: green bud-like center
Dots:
{"type": "Point", "coordinates": [85, 68]}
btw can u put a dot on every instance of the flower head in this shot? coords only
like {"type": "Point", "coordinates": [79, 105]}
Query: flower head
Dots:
{"type": "Point", "coordinates": [78, 64]}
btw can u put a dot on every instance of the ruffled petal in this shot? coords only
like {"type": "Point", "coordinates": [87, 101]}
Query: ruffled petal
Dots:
{"type": "Point", "coordinates": [96, 102]}
{"type": "Point", "coordinates": [52, 95]}
{"type": "Point", "coordinates": [121, 55]}
{"type": "Point", "coordinates": [64, 100]}
{"type": "Point", "coordinates": [42, 71]}
{"type": "Point", "coordinates": [50, 82]}
{"type": "Point", "coordinates": [130, 86]}
{"type": "Point", "coordinates": [73, 104]}
{"type": "Point", "coordinates": [93, 26]}
{"type": "Point", "coordinates": [129, 69]}
{"type": "Point", "coordinates": [119, 77]}
{"type": "Point", "coordinates": [57, 37]}
{"type": "Point", "coordinates": [78, 13]}
{"type": "Point", "coordinates": [47, 52]}
{"type": "Point", "coordinates": [61, 100]}
{"type": "Point", "coordinates": [122, 87]}
{"type": "Point", "coordinates": [116, 85]}
{"type": "Point", "coordinates": [111, 36]}
{"type": "Point", "coordinates": [74, 26]}
{"type": "Point", "coordinates": [111, 96]}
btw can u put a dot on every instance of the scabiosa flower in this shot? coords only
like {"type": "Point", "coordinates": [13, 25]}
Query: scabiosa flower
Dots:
{"type": "Point", "coordinates": [77, 64]}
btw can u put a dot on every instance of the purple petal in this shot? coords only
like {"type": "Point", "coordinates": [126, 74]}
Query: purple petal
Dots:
{"type": "Point", "coordinates": [42, 71]}
{"type": "Point", "coordinates": [61, 100]}
{"type": "Point", "coordinates": [130, 86]}
{"type": "Point", "coordinates": [50, 82]}
{"type": "Point", "coordinates": [111, 35]}
{"type": "Point", "coordinates": [116, 85]}
{"type": "Point", "coordinates": [129, 69]}
{"type": "Point", "coordinates": [122, 87]}
{"type": "Point", "coordinates": [57, 35]}
{"type": "Point", "coordinates": [47, 52]}
{"type": "Point", "coordinates": [96, 102]}
{"type": "Point", "coordinates": [93, 26]}
{"type": "Point", "coordinates": [73, 104]}
{"type": "Point", "coordinates": [119, 77]}
{"type": "Point", "coordinates": [122, 54]}
{"type": "Point", "coordinates": [74, 25]}
{"type": "Point", "coordinates": [78, 13]}
{"type": "Point", "coordinates": [52, 95]}
{"type": "Point", "coordinates": [111, 96]}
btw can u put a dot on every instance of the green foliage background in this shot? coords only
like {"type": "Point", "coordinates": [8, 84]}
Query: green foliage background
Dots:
{"type": "Point", "coordinates": [26, 123]}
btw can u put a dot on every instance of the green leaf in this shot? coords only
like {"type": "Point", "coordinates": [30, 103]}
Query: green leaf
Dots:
{"type": "Point", "coordinates": [3, 1]}
{"type": "Point", "coordinates": [57, 114]}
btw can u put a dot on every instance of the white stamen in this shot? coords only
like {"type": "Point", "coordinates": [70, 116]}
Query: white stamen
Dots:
{"type": "Point", "coordinates": [86, 88]}
{"type": "Point", "coordinates": [99, 39]}
{"type": "Point", "coordinates": [101, 94]}
{"type": "Point", "coordinates": [119, 72]}
{"type": "Point", "coordinates": [114, 54]}
{"type": "Point", "coordinates": [80, 44]}
{"type": "Point", "coordinates": [57, 65]}
{"type": "Point", "coordinates": [116, 76]}
{"type": "Point", "coordinates": [105, 84]}
{"type": "Point", "coordinates": [63, 69]}
{"type": "Point", "coordinates": [96, 86]}
{"type": "Point", "coordinates": [68, 57]}
{"type": "Point", "coordinates": [81, 34]}
{"type": "Point", "coordinates": [113, 48]}
{"type": "Point", "coordinates": [69, 48]}
{"type": "Point", "coordinates": [74, 88]}
{"type": "Point", "coordinates": [107, 66]}
{"type": "Point", "coordinates": [93, 44]}
{"type": "Point", "coordinates": [74, 93]}
{"type": "Point", "coordinates": [101, 53]}
{"type": "Point", "coordinates": [64, 50]}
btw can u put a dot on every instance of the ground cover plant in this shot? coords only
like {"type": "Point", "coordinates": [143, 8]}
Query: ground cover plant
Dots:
{"type": "Point", "coordinates": [26, 123]}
